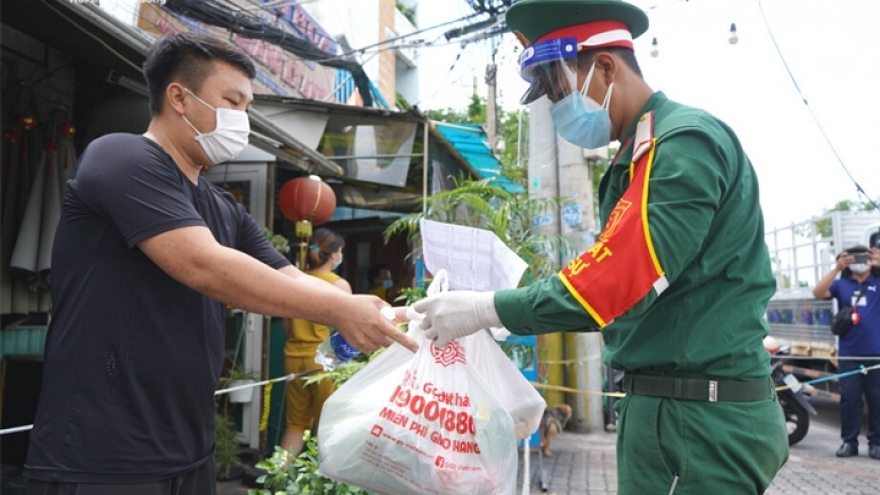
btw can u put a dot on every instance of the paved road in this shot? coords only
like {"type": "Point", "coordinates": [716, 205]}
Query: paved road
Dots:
{"type": "Point", "coordinates": [586, 465]}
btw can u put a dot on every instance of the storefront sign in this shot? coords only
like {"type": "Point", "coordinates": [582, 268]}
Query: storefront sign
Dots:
{"type": "Point", "coordinates": [278, 71]}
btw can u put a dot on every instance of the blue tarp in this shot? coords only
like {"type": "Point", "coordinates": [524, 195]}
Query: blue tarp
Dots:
{"type": "Point", "coordinates": [471, 141]}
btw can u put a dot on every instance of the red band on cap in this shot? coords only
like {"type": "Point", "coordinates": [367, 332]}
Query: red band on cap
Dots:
{"type": "Point", "coordinates": [589, 35]}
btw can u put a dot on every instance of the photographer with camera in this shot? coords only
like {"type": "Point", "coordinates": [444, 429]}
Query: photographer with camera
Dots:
{"type": "Point", "coordinates": [859, 276]}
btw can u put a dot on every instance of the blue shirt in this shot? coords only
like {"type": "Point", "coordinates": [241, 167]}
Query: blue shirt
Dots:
{"type": "Point", "coordinates": [863, 339]}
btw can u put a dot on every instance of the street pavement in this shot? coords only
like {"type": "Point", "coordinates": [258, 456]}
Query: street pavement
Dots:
{"type": "Point", "coordinates": [585, 464]}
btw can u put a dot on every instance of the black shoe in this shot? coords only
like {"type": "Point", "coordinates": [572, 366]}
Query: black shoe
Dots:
{"type": "Point", "coordinates": [849, 450]}
{"type": "Point", "coordinates": [874, 452]}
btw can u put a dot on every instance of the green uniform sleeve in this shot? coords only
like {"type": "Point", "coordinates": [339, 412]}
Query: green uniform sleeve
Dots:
{"type": "Point", "coordinates": [543, 307]}
{"type": "Point", "coordinates": [688, 180]}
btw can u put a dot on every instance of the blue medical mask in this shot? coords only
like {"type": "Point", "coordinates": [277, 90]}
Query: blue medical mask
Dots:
{"type": "Point", "coordinates": [336, 265]}
{"type": "Point", "coordinates": [387, 283]}
{"type": "Point", "coordinates": [582, 121]}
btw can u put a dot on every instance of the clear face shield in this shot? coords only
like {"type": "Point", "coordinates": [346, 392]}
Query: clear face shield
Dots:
{"type": "Point", "coordinates": [550, 67]}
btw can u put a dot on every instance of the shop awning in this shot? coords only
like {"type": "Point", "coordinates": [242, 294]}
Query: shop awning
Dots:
{"type": "Point", "coordinates": [470, 140]}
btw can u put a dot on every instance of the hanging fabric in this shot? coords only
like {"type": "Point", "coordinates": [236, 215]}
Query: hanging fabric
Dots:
{"type": "Point", "coordinates": [9, 222]}
{"type": "Point", "coordinates": [51, 212]}
{"type": "Point", "coordinates": [24, 301]}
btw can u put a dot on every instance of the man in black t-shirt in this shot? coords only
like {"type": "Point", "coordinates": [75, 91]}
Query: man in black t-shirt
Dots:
{"type": "Point", "coordinates": [147, 255]}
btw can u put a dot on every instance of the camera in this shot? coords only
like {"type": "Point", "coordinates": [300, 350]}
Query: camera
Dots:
{"type": "Point", "coordinates": [861, 258]}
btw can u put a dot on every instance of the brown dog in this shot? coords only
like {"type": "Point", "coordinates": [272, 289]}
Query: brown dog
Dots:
{"type": "Point", "coordinates": [555, 419]}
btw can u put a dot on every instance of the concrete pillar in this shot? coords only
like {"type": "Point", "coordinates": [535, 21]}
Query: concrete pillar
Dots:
{"type": "Point", "coordinates": [582, 350]}
{"type": "Point", "coordinates": [543, 183]}
{"type": "Point", "coordinates": [559, 168]}
{"type": "Point", "coordinates": [491, 112]}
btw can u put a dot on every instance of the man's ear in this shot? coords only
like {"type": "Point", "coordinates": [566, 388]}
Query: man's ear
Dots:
{"type": "Point", "coordinates": [606, 66]}
{"type": "Point", "coordinates": [175, 98]}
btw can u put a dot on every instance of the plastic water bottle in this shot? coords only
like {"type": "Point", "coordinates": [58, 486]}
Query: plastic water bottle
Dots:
{"type": "Point", "coordinates": [334, 351]}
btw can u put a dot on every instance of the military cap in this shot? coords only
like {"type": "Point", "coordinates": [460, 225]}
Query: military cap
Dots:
{"type": "Point", "coordinates": [595, 23]}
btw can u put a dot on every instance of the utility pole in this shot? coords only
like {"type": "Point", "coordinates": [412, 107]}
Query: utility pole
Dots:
{"type": "Point", "coordinates": [491, 119]}
{"type": "Point", "coordinates": [558, 168]}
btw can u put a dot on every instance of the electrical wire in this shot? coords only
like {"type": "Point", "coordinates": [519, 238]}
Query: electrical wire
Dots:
{"type": "Point", "coordinates": [370, 48]}
{"type": "Point", "coordinates": [247, 24]}
{"type": "Point", "coordinates": [377, 50]}
{"type": "Point", "coordinates": [420, 31]}
{"type": "Point", "coordinates": [253, 21]}
{"type": "Point", "coordinates": [445, 87]}
{"type": "Point", "coordinates": [859, 188]}
{"type": "Point", "coordinates": [373, 50]}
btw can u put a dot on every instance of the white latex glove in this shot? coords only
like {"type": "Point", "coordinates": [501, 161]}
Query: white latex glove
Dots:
{"type": "Point", "coordinates": [454, 314]}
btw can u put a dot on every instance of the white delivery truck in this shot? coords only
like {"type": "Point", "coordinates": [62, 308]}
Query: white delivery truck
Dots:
{"type": "Point", "coordinates": [801, 254]}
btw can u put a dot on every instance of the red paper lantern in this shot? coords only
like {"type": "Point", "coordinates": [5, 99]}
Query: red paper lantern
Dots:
{"type": "Point", "coordinates": [307, 198]}
{"type": "Point", "coordinates": [66, 129]}
{"type": "Point", "coordinates": [27, 121]}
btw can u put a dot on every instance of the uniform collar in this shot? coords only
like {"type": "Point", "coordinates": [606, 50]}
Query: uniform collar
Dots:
{"type": "Point", "coordinates": [624, 156]}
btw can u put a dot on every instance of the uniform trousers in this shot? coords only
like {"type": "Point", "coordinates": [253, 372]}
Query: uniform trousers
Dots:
{"type": "Point", "coordinates": [686, 447]}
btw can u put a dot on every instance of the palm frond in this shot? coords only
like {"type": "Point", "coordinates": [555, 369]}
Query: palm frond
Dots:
{"type": "Point", "coordinates": [478, 203]}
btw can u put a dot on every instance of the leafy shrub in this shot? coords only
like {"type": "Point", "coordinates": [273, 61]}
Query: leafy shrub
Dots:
{"type": "Point", "coordinates": [299, 476]}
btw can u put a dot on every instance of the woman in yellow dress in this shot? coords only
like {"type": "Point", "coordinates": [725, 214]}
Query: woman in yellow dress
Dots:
{"type": "Point", "coordinates": [304, 402]}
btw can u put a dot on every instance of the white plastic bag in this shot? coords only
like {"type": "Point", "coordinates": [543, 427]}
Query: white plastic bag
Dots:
{"type": "Point", "coordinates": [427, 423]}
{"type": "Point", "coordinates": [517, 396]}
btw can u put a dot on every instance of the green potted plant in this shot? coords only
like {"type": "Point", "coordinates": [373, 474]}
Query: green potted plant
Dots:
{"type": "Point", "coordinates": [236, 377]}
{"type": "Point", "coordinates": [227, 448]}
{"type": "Point", "coordinates": [227, 445]}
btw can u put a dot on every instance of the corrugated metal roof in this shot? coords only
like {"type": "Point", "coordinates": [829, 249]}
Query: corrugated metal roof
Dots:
{"type": "Point", "coordinates": [471, 141]}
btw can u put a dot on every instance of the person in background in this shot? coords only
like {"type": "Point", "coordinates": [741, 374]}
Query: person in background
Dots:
{"type": "Point", "coordinates": [381, 283]}
{"type": "Point", "coordinates": [147, 256]}
{"type": "Point", "coordinates": [304, 402]}
{"type": "Point", "coordinates": [679, 277]}
{"type": "Point", "coordinates": [855, 282]}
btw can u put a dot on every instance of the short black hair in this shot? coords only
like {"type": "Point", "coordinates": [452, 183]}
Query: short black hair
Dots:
{"type": "Point", "coordinates": [374, 270]}
{"type": "Point", "coordinates": [628, 56]}
{"type": "Point", "coordinates": [188, 57]}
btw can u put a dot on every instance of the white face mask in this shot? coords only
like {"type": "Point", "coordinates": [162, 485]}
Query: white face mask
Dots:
{"type": "Point", "coordinates": [229, 137]}
{"type": "Point", "coordinates": [336, 265]}
{"type": "Point", "coordinates": [859, 268]}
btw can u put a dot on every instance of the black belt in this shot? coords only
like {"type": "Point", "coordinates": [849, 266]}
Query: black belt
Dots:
{"type": "Point", "coordinates": [699, 388]}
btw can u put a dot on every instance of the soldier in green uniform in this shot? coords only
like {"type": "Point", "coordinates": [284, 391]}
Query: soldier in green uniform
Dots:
{"type": "Point", "coordinates": [677, 281]}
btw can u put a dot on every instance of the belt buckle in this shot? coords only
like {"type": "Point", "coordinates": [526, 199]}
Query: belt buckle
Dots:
{"type": "Point", "coordinates": [713, 391]}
